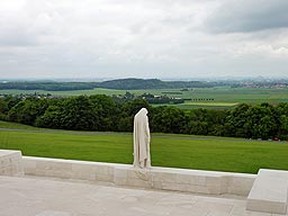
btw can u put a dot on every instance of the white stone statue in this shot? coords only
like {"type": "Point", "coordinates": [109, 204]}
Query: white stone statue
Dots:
{"type": "Point", "coordinates": [141, 140]}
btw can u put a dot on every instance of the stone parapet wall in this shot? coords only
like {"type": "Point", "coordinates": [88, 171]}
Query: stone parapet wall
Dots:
{"type": "Point", "coordinates": [196, 181]}
{"type": "Point", "coordinates": [11, 163]}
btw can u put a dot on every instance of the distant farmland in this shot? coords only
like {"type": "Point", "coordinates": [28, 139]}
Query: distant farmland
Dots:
{"type": "Point", "coordinates": [217, 97]}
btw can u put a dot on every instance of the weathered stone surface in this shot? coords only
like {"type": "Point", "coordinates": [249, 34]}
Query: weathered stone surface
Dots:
{"type": "Point", "coordinates": [11, 163]}
{"type": "Point", "coordinates": [269, 192]}
{"type": "Point", "coordinates": [37, 196]}
{"type": "Point", "coordinates": [195, 181]}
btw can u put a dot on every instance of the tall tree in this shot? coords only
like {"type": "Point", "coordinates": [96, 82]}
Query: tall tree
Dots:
{"type": "Point", "coordinates": [28, 110]}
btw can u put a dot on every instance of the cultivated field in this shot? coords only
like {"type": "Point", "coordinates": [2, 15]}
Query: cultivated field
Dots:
{"type": "Point", "coordinates": [169, 150]}
{"type": "Point", "coordinates": [219, 97]}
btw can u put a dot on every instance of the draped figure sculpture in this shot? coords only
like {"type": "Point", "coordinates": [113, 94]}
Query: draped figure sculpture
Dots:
{"type": "Point", "coordinates": [141, 140]}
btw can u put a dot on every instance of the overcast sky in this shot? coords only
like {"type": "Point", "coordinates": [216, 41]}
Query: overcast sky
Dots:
{"type": "Point", "coordinates": [143, 38]}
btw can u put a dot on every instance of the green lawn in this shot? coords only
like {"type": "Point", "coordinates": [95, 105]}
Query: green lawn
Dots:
{"type": "Point", "coordinates": [182, 151]}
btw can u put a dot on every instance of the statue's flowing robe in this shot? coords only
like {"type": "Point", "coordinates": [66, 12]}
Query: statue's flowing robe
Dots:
{"type": "Point", "coordinates": [141, 140]}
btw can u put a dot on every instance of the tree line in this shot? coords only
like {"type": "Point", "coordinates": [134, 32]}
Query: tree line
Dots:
{"type": "Point", "coordinates": [105, 113]}
{"type": "Point", "coordinates": [121, 84]}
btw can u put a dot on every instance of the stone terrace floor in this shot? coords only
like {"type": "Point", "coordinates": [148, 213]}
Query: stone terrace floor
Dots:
{"type": "Point", "coordinates": [34, 196]}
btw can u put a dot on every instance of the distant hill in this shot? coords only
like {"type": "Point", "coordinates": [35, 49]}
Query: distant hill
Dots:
{"type": "Point", "coordinates": [123, 84]}
{"type": "Point", "coordinates": [130, 84]}
{"type": "Point", "coordinates": [48, 86]}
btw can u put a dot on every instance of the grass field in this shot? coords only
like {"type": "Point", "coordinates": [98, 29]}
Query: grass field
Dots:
{"type": "Point", "coordinates": [212, 104]}
{"type": "Point", "coordinates": [207, 105]}
{"type": "Point", "coordinates": [224, 97]}
{"type": "Point", "coordinates": [182, 151]}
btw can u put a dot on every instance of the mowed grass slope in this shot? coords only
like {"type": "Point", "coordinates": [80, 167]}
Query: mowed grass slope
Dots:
{"type": "Point", "coordinates": [182, 151]}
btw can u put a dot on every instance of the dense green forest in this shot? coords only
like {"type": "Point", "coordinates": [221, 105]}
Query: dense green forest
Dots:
{"type": "Point", "coordinates": [124, 84]}
{"type": "Point", "coordinates": [48, 86]}
{"type": "Point", "coordinates": [105, 113]}
{"type": "Point", "coordinates": [129, 84]}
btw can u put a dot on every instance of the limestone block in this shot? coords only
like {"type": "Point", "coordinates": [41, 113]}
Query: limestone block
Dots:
{"type": "Point", "coordinates": [29, 165]}
{"type": "Point", "coordinates": [165, 177]}
{"type": "Point", "coordinates": [138, 183]}
{"type": "Point", "coordinates": [240, 184]}
{"type": "Point", "coordinates": [157, 185]}
{"type": "Point", "coordinates": [202, 190]}
{"type": "Point", "coordinates": [120, 181]}
{"type": "Point", "coordinates": [92, 171]}
{"type": "Point", "coordinates": [120, 173]}
{"type": "Point", "coordinates": [200, 180]}
{"type": "Point", "coordinates": [105, 178]}
{"type": "Point", "coordinates": [83, 171]}
{"type": "Point", "coordinates": [186, 179]}
{"type": "Point", "coordinates": [104, 170]}
{"type": "Point", "coordinates": [55, 168]}
{"type": "Point", "coordinates": [129, 176]}
{"type": "Point", "coordinates": [186, 187]}
{"type": "Point", "coordinates": [215, 185]}
{"type": "Point", "coordinates": [11, 163]}
{"type": "Point", "coordinates": [224, 184]}
{"type": "Point", "coordinates": [191, 188]}
{"type": "Point", "coordinates": [269, 192]}
{"type": "Point", "coordinates": [170, 186]}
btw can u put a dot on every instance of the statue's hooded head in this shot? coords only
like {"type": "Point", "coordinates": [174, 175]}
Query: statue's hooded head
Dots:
{"type": "Point", "coordinates": [143, 111]}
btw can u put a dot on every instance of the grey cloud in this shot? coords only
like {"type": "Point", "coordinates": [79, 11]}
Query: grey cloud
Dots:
{"type": "Point", "coordinates": [17, 39]}
{"type": "Point", "coordinates": [115, 38]}
{"type": "Point", "coordinates": [15, 34]}
{"type": "Point", "coordinates": [248, 16]}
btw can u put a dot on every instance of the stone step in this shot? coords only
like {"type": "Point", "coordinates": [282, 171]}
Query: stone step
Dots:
{"type": "Point", "coordinates": [269, 192]}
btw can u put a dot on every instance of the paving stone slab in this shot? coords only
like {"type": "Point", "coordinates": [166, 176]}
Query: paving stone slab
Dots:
{"type": "Point", "coordinates": [34, 196]}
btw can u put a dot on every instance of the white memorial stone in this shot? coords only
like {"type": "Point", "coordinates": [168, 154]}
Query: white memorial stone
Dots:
{"type": "Point", "coordinates": [269, 192]}
{"type": "Point", "coordinates": [11, 163]}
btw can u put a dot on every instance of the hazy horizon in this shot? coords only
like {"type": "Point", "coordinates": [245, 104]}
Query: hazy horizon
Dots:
{"type": "Point", "coordinates": [101, 79]}
{"type": "Point", "coordinates": [175, 39]}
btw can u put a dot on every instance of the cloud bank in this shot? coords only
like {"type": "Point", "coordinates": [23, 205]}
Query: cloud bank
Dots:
{"type": "Point", "coordinates": [248, 16]}
{"type": "Point", "coordinates": [112, 38]}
